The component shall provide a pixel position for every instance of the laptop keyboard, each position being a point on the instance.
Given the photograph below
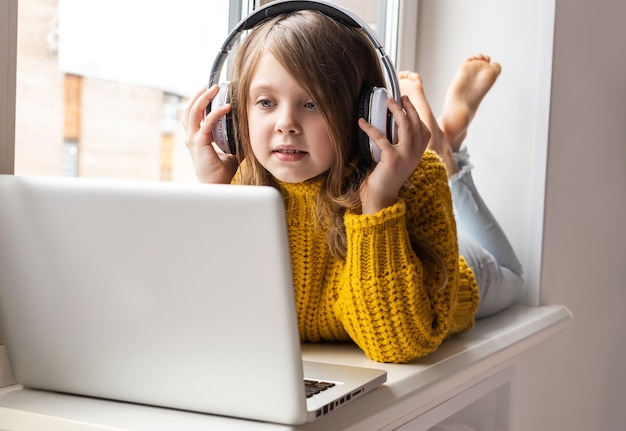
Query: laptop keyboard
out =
(313, 387)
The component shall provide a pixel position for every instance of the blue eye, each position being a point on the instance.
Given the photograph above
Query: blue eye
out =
(264, 103)
(311, 106)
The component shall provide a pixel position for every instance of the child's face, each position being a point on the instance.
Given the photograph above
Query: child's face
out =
(288, 134)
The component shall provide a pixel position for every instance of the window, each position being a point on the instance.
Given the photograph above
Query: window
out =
(100, 92)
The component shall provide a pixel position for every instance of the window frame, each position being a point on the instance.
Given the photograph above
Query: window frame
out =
(405, 58)
(8, 51)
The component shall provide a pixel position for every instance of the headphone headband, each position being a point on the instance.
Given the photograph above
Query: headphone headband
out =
(278, 7)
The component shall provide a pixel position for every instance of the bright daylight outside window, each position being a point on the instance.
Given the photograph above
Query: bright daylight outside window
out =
(101, 84)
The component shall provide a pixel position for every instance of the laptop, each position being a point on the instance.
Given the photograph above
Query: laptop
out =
(166, 294)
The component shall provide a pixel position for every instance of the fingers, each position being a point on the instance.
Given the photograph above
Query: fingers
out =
(211, 164)
(413, 135)
(194, 114)
(397, 161)
(411, 129)
(198, 128)
(371, 131)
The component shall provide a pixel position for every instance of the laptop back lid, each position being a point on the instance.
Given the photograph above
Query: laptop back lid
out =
(177, 295)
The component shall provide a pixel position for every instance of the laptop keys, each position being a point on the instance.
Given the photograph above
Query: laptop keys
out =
(313, 387)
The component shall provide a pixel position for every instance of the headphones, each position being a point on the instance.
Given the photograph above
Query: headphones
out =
(372, 101)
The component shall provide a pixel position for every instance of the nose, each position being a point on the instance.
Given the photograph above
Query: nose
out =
(287, 122)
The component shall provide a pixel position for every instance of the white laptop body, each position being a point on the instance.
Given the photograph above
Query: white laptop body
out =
(175, 295)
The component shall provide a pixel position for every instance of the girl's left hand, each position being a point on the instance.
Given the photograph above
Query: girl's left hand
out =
(397, 162)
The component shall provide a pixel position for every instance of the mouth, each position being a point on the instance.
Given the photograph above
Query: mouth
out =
(285, 151)
(289, 154)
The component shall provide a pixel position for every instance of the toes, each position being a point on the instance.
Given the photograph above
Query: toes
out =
(407, 74)
(479, 57)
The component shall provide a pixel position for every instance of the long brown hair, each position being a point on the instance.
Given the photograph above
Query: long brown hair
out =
(333, 63)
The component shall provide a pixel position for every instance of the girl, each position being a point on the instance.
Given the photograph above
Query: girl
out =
(374, 247)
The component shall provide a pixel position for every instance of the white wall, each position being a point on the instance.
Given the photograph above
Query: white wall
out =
(577, 380)
(583, 371)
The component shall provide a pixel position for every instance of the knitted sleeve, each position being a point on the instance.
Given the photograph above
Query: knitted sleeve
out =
(393, 297)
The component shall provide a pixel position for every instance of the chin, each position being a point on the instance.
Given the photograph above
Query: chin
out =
(290, 177)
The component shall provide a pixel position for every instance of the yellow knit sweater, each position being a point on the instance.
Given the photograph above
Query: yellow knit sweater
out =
(383, 296)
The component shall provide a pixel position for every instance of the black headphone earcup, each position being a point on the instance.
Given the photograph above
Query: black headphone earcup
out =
(373, 107)
(223, 131)
(364, 112)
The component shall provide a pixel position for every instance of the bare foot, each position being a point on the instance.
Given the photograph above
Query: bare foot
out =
(473, 80)
(411, 86)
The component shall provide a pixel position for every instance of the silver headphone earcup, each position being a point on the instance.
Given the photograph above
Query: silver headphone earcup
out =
(223, 129)
(373, 107)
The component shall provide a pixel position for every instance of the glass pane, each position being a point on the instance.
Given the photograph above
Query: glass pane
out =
(367, 10)
(102, 84)
(381, 16)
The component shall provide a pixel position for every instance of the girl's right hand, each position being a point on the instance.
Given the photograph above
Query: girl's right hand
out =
(397, 162)
(211, 164)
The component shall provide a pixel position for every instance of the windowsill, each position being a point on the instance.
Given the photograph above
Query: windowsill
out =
(411, 389)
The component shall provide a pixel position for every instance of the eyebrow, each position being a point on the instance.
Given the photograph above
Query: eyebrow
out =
(262, 87)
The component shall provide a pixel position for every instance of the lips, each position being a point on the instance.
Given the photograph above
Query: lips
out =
(288, 151)
(289, 154)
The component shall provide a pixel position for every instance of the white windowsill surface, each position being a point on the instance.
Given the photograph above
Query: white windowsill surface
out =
(411, 389)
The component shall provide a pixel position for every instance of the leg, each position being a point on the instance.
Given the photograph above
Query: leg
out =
(484, 245)
(475, 220)
(499, 286)
(411, 85)
(473, 80)
(481, 240)
(471, 83)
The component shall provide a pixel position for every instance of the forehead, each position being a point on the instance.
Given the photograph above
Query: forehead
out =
(269, 72)
(267, 64)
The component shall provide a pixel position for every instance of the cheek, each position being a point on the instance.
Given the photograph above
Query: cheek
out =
(258, 133)
(326, 146)
(253, 126)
